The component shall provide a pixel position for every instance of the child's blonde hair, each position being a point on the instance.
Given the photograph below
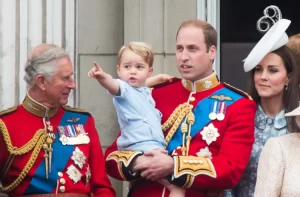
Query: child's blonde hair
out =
(142, 49)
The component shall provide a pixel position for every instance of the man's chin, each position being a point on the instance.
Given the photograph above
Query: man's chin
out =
(63, 103)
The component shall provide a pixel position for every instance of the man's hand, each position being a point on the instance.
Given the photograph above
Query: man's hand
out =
(155, 166)
(96, 72)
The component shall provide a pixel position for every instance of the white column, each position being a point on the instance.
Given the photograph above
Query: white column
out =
(7, 53)
(70, 41)
(57, 20)
(23, 47)
(34, 23)
(201, 10)
(49, 21)
(213, 17)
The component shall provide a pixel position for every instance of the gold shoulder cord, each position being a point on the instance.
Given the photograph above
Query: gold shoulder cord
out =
(181, 112)
(34, 144)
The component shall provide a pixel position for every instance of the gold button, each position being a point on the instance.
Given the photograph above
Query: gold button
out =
(62, 188)
(192, 99)
(60, 174)
(185, 161)
(191, 161)
(201, 162)
(62, 181)
(191, 106)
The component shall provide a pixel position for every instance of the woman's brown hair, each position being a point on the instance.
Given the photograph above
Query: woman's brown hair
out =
(291, 94)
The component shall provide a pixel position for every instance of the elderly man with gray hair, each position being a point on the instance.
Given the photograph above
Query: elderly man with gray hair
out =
(47, 148)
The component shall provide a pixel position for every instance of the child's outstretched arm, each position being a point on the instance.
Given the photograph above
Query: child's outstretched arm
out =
(151, 81)
(106, 80)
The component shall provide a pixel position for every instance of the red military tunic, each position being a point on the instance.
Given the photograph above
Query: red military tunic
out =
(76, 169)
(218, 151)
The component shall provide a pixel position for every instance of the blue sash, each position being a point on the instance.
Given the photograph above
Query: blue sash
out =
(61, 155)
(201, 112)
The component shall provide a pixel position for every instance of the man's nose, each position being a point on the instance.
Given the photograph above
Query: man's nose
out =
(184, 55)
(72, 84)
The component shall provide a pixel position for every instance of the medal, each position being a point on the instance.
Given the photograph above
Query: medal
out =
(221, 111)
(213, 109)
(210, 134)
(204, 152)
(88, 174)
(74, 173)
(78, 157)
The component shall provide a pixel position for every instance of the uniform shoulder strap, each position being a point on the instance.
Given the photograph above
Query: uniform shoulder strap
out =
(8, 111)
(238, 91)
(77, 110)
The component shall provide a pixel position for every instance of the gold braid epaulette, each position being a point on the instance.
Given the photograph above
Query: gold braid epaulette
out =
(35, 143)
(175, 119)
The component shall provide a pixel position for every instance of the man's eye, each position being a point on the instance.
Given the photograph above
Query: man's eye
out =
(179, 48)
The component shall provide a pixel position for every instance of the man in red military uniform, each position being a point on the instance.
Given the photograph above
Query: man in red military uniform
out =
(208, 127)
(48, 149)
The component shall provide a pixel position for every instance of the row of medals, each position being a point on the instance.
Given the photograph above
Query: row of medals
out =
(217, 110)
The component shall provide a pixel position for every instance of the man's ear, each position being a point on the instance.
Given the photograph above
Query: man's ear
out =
(40, 82)
(212, 51)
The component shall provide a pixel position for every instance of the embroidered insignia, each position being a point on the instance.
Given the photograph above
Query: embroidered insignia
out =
(221, 97)
(210, 134)
(88, 174)
(207, 84)
(73, 120)
(74, 173)
(78, 157)
(73, 134)
(190, 165)
(204, 152)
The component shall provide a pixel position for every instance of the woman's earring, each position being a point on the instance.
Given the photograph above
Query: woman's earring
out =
(286, 87)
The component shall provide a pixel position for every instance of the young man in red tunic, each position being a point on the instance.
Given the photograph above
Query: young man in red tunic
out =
(208, 127)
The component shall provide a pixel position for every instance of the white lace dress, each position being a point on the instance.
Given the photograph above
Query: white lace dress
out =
(279, 168)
